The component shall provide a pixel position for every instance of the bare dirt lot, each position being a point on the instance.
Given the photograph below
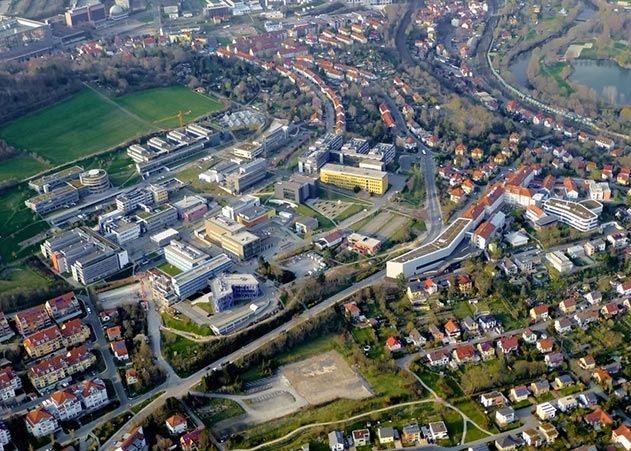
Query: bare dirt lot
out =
(324, 378)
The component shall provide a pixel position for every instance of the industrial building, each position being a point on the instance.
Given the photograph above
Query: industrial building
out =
(249, 151)
(232, 237)
(297, 189)
(85, 254)
(349, 177)
(229, 288)
(165, 237)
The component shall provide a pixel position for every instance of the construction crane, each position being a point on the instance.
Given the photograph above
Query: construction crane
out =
(180, 116)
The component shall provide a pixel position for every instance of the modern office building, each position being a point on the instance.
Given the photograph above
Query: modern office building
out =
(184, 256)
(85, 254)
(49, 182)
(232, 210)
(92, 14)
(123, 230)
(153, 219)
(229, 288)
(574, 214)
(232, 237)
(313, 159)
(349, 177)
(249, 151)
(246, 175)
(95, 180)
(191, 208)
(60, 197)
(131, 200)
(297, 189)
(419, 259)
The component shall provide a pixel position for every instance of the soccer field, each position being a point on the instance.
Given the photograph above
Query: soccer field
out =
(87, 123)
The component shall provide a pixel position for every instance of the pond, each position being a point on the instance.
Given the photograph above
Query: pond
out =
(611, 82)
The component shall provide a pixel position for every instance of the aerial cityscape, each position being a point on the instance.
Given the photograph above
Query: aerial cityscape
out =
(315, 225)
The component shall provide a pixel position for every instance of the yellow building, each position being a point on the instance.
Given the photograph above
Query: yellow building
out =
(349, 177)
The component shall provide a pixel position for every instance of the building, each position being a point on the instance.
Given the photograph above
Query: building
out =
(9, 383)
(31, 320)
(49, 182)
(504, 416)
(363, 244)
(5, 330)
(312, 160)
(119, 349)
(152, 219)
(64, 405)
(598, 190)
(133, 441)
(95, 180)
(40, 423)
(297, 189)
(22, 38)
(62, 306)
(184, 256)
(191, 208)
(228, 288)
(85, 254)
(546, 411)
(232, 237)
(131, 200)
(574, 214)
(91, 14)
(386, 435)
(559, 261)
(411, 433)
(74, 332)
(361, 437)
(255, 215)
(348, 177)
(249, 151)
(622, 437)
(43, 342)
(438, 431)
(5, 436)
(246, 175)
(176, 424)
(165, 237)
(92, 393)
(60, 197)
(483, 234)
(420, 258)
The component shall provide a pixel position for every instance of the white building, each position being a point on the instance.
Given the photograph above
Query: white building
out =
(176, 424)
(574, 214)
(598, 190)
(64, 405)
(559, 261)
(546, 411)
(40, 423)
(5, 436)
(9, 383)
(93, 393)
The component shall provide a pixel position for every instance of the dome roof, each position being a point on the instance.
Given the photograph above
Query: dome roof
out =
(116, 10)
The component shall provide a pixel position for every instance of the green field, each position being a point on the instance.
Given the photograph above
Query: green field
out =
(169, 269)
(20, 167)
(87, 123)
(21, 276)
(185, 325)
(161, 105)
(17, 223)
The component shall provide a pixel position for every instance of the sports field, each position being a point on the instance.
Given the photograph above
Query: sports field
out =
(89, 122)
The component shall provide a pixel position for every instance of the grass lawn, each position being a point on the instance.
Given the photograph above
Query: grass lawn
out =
(169, 269)
(73, 128)
(185, 325)
(554, 71)
(21, 276)
(473, 411)
(162, 105)
(473, 433)
(455, 426)
(20, 166)
(350, 211)
(304, 210)
(119, 167)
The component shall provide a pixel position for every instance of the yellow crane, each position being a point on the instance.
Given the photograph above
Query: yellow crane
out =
(180, 116)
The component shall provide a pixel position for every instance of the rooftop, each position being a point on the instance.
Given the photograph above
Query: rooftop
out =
(350, 170)
(573, 208)
(443, 241)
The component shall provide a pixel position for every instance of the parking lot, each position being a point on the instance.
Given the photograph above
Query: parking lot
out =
(304, 264)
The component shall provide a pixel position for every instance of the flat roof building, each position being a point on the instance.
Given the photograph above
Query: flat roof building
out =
(184, 256)
(574, 214)
(228, 288)
(60, 197)
(22, 38)
(232, 237)
(297, 189)
(348, 177)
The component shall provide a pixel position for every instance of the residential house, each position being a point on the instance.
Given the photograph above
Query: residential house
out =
(545, 345)
(64, 405)
(567, 306)
(507, 443)
(587, 362)
(176, 424)
(131, 377)
(562, 381)
(5, 436)
(114, 333)
(486, 350)
(74, 332)
(588, 399)
(487, 322)
(416, 338)
(622, 437)
(43, 342)
(470, 326)
(603, 377)
(92, 393)
(190, 440)
(361, 437)
(504, 416)
(609, 310)
(40, 423)
(336, 441)
(416, 293)
(387, 435)
(593, 297)
(563, 325)
(393, 344)
(519, 393)
(508, 344)
(546, 411)
(539, 313)
(120, 351)
(532, 438)
(539, 388)
(598, 418)
(5, 330)
(438, 358)
(9, 383)
(452, 329)
(567, 403)
(79, 360)
(529, 336)
(436, 333)
(430, 286)
(351, 310)
(586, 317)
(438, 431)
(464, 354)
(133, 441)
(549, 432)
(411, 433)
(48, 372)
(493, 399)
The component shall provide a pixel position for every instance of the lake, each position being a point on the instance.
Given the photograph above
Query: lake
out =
(611, 82)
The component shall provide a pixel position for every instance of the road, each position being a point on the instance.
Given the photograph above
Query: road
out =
(182, 386)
